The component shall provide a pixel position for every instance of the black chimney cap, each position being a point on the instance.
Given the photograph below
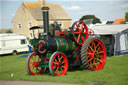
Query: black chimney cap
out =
(45, 8)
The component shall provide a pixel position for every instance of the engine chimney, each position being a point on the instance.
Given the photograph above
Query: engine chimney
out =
(46, 21)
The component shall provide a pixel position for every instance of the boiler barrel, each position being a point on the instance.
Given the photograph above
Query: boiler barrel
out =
(65, 45)
(58, 44)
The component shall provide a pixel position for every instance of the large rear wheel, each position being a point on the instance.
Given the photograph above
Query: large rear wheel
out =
(58, 64)
(93, 54)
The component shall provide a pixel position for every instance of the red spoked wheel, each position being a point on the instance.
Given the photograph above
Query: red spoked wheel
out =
(32, 64)
(90, 32)
(93, 54)
(80, 32)
(58, 64)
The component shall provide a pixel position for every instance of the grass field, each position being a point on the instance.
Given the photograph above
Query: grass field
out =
(115, 72)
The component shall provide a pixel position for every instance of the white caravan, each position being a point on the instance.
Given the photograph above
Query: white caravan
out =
(13, 43)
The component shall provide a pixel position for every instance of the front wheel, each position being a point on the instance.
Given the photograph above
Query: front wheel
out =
(58, 64)
(32, 64)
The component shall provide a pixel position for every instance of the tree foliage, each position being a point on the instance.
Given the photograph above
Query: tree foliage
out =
(109, 22)
(95, 19)
(126, 16)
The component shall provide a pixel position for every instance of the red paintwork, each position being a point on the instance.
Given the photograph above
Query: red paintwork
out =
(58, 59)
(77, 57)
(76, 49)
(40, 46)
(81, 30)
(61, 34)
(96, 55)
(32, 64)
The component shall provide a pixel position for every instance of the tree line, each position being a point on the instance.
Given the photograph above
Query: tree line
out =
(97, 20)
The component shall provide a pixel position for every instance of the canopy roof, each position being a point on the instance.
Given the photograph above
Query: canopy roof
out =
(109, 29)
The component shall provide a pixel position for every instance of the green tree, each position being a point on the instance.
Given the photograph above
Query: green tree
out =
(126, 16)
(95, 19)
(109, 22)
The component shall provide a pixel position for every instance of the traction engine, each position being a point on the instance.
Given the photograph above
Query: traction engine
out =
(57, 51)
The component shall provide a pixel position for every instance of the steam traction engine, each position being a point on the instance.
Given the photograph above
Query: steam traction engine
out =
(57, 51)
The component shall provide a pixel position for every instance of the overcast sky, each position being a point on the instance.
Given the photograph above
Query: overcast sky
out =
(106, 10)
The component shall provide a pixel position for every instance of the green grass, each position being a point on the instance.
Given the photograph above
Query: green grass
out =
(115, 72)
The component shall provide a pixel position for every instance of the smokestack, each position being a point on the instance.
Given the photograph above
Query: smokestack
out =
(45, 19)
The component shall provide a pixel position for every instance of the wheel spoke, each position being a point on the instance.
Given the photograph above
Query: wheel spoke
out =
(36, 70)
(54, 63)
(78, 38)
(55, 60)
(94, 62)
(81, 29)
(96, 65)
(100, 52)
(98, 49)
(76, 32)
(97, 45)
(56, 70)
(62, 62)
(33, 59)
(60, 58)
(99, 60)
(98, 56)
(91, 48)
(33, 69)
(82, 37)
(90, 59)
(90, 53)
(61, 69)
(92, 44)
(77, 27)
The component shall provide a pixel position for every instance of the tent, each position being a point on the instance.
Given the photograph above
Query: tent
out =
(114, 37)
